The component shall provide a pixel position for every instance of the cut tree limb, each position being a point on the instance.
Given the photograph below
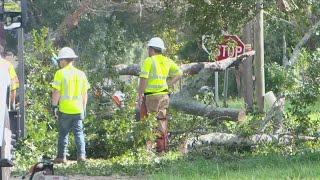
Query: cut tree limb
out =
(191, 68)
(238, 140)
(200, 109)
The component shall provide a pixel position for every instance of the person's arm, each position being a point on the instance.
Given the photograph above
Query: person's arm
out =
(84, 94)
(143, 77)
(174, 80)
(142, 87)
(175, 72)
(13, 98)
(84, 99)
(55, 97)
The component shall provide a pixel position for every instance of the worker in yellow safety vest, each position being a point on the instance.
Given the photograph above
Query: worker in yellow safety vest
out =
(11, 6)
(14, 81)
(69, 100)
(153, 88)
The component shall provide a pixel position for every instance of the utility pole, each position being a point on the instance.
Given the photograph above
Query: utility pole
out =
(22, 120)
(259, 57)
(247, 83)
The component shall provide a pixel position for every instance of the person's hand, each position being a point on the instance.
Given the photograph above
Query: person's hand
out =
(55, 110)
(12, 107)
(139, 100)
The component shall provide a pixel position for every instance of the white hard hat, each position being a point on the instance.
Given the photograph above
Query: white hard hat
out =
(157, 43)
(66, 53)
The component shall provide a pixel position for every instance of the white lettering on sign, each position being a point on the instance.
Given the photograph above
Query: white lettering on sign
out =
(230, 51)
(224, 51)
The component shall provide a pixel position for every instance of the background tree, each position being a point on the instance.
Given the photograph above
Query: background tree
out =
(105, 34)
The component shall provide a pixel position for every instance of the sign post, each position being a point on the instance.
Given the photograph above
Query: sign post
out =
(232, 46)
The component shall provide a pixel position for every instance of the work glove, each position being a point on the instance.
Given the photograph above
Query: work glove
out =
(55, 110)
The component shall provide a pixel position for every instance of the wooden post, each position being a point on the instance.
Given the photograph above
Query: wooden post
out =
(259, 57)
(22, 121)
(216, 86)
(247, 82)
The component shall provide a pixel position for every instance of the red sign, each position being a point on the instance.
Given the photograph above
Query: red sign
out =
(231, 47)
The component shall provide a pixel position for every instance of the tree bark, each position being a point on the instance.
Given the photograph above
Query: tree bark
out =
(238, 140)
(212, 112)
(284, 52)
(283, 6)
(247, 82)
(259, 57)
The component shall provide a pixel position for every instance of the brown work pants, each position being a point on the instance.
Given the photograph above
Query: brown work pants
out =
(159, 104)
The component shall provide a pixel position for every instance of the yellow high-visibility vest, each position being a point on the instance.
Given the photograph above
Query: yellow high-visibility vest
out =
(11, 7)
(156, 70)
(72, 83)
(14, 81)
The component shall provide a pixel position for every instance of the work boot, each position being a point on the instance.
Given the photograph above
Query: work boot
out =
(81, 159)
(59, 160)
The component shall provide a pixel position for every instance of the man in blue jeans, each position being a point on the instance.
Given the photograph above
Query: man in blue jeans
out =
(69, 99)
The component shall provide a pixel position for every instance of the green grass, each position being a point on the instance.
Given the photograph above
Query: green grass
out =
(262, 167)
(175, 167)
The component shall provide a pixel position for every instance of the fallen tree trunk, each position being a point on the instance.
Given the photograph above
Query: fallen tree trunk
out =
(200, 109)
(191, 68)
(238, 140)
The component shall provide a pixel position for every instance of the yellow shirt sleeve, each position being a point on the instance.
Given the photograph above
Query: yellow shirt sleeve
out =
(14, 84)
(57, 81)
(174, 69)
(86, 84)
(146, 68)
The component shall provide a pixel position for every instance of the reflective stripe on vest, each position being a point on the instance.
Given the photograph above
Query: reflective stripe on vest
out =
(154, 76)
(65, 95)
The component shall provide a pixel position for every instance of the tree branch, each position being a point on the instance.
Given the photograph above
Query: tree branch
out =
(306, 37)
(238, 140)
(70, 21)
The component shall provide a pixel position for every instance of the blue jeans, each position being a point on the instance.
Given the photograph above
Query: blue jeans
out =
(68, 122)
